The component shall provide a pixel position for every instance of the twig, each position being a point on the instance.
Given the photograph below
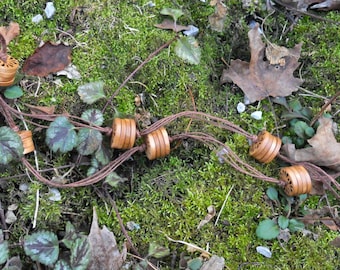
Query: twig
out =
(36, 209)
(223, 205)
(153, 54)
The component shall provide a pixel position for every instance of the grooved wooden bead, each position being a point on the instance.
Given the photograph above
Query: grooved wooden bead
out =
(157, 144)
(297, 180)
(266, 148)
(123, 133)
(8, 70)
(27, 141)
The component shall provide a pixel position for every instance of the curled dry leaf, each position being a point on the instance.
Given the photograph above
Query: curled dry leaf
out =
(324, 150)
(104, 250)
(211, 213)
(217, 19)
(259, 79)
(47, 59)
(171, 25)
(214, 263)
(41, 109)
(10, 32)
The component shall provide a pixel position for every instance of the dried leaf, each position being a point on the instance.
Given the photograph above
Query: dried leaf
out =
(330, 223)
(47, 59)
(336, 242)
(191, 247)
(171, 25)
(211, 213)
(10, 32)
(324, 150)
(217, 19)
(41, 109)
(259, 79)
(104, 250)
(214, 263)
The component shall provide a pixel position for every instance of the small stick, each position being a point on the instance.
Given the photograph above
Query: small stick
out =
(223, 205)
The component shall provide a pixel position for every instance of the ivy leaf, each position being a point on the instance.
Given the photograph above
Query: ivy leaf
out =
(13, 92)
(103, 155)
(89, 141)
(70, 235)
(187, 48)
(61, 135)
(295, 225)
(80, 254)
(10, 145)
(299, 129)
(267, 229)
(157, 251)
(91, 92)
(174, 13)
(4, 253)
(62, 265)
(42, 247)
(283, 222)
(93, 116)
(272, 194)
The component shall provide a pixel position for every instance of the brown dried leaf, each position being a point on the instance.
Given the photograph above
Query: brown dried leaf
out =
(214, 263)
(217, 19)
(322, 5)
(259, 79)
(170, 25)
(10, 32)
(324, 150)
(104, 250)
(336, 242)
(211, 213)
(41, 109)
(47, 59)
(330, 223)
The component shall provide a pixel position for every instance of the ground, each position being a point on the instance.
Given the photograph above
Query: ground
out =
(170, 196)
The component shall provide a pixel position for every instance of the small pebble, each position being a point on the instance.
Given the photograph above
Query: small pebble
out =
(193, 31)
(23, 187)
(241, 107)
(49, 10)
(55, 195)
(37, 18)
(264, 251)
(257, 115)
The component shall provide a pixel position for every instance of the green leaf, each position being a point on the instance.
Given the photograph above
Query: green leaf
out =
(294, 115)
(299, 129)
(295, 225)
(195, 264)
(61, 135)
(286, 140)
(4, 253)
(93, 116)
(174, 13)
(80, 254)
(157, 251)
(62, 265)
(10, 145)
(283, 222)
(42, 247)
(89, 141)
(13, 92)
(103, 155)
(91, 92)
(267, 229)
(272, 194)
(187, 48)
(113, 179)
(295, 105)
(309, 131)
(70, 235)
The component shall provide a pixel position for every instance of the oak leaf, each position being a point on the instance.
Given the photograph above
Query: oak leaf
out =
(259, 78)
(171, 25)
(47, 59)
(324, 150)
(10, 32)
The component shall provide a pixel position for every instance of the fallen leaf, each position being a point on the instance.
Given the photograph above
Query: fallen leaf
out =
(214, 263)
(70, 72)
(211, 213)
(41, 109)
(330, 223)
(104, 250)
(217, 19)
(10, 32)
(47, 59)
(259, 79)
(324, 150)
(171, 25)
(336, 242)
(322, 5)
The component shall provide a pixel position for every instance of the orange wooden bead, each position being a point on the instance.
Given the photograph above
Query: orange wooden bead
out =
(297, 180)
(27, 141)
(266, 148)
(157, 144)
(123, 133)
(8, 70)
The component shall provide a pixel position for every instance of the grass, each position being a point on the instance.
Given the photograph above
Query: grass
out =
(170, 196)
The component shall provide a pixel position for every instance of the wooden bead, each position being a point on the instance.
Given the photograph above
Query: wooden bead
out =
(157, 144)
(8, 70)
(266, 148)
(123, 133)
(297, 180)
(27, 141)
